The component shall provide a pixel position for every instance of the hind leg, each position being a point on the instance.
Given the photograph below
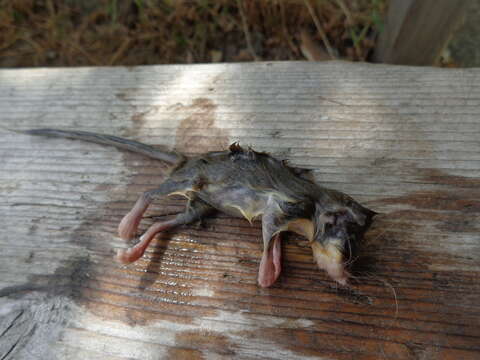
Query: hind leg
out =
(196, 209)
(129, 224)
(270, 264)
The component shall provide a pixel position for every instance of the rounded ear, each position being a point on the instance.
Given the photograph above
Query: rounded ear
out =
(357, 214)
(361, 215)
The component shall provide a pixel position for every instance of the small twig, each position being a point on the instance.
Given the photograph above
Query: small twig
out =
(320, 30)
(246, 31)
(119, 52)
(311, 49)
(33, 43)
(346, 11)
(285, 30)
(93, 61)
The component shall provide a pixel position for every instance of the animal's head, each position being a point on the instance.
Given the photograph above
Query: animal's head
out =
(336, 237)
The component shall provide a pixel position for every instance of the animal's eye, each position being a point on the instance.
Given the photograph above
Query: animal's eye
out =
(327, 228)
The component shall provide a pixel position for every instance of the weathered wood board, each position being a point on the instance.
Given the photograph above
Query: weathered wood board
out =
(403, 140)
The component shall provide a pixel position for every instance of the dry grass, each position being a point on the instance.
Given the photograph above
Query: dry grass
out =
(135, 32)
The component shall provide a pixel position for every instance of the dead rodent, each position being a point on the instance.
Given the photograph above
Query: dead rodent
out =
(245, 183)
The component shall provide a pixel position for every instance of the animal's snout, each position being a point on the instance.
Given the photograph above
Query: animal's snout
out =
(330, 258)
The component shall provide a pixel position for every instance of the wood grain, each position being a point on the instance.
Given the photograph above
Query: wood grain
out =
(403, 140)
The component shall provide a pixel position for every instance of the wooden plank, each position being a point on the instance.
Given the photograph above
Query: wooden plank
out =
(416, 32)
(403, 140)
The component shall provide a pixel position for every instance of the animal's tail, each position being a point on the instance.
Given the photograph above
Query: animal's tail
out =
(135, 146)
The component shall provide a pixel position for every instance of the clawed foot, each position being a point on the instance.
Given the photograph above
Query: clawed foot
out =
(127, 256)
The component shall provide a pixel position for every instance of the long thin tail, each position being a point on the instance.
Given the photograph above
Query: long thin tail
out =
(135, 146)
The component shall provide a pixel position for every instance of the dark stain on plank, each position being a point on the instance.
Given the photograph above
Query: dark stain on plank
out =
(67, 280)
(190, 137)
(436, 200)
(44, 310)
(179, 353)
(437, 176)
(206, 340)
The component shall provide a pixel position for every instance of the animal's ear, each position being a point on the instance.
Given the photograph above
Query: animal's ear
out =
(357, 214)
(360, 215)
